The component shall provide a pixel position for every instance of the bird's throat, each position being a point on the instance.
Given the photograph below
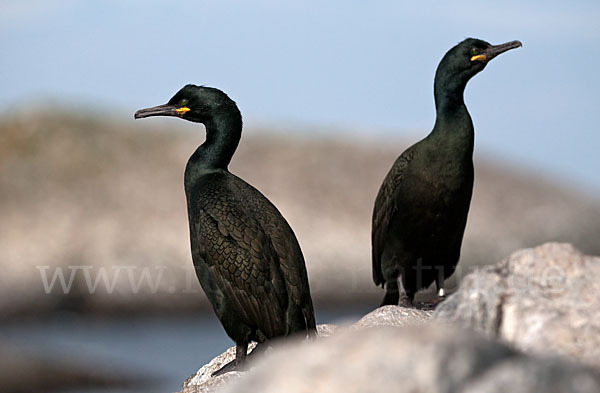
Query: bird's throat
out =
(453, 132)
(222, 138)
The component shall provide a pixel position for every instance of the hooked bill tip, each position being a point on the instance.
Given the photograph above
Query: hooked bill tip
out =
(517, 43)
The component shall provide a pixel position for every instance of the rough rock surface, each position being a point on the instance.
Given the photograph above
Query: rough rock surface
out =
(383, 316)
(542, 300)
(203, 382)
(428, 359)
(393, 316)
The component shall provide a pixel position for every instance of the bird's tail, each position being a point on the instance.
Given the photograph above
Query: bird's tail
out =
(309, 317)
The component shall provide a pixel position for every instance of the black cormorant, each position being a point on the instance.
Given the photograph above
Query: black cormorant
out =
(421, 209)
(246, 256)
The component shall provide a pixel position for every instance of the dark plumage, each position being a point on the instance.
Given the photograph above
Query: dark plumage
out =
(421, 209)
(246, 256)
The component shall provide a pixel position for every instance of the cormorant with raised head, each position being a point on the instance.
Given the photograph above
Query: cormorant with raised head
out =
(421, 209)
(246, 256)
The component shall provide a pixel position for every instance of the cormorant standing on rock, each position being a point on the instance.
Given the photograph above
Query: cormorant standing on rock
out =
(421, 209)
(247, 258)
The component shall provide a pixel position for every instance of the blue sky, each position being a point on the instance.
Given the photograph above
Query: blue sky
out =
(330, 64)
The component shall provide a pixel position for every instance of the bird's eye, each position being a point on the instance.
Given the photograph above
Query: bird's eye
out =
(183, 102)
(474, 52)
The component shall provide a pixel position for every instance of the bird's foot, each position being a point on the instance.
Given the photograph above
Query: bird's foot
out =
(229, 367)
(237, 365)
(405, 301)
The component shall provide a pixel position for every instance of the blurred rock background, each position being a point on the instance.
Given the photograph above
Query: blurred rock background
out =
(102, 203)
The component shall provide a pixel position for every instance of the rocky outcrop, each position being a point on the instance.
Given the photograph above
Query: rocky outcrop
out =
(527, 324)
(429, 359)
(203, 381)
(393, 316)
(542, 300)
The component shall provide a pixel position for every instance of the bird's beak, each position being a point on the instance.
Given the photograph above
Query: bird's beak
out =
(495, 50)
(161, 110)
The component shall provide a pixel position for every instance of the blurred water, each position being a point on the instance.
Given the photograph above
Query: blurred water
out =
(167, 348)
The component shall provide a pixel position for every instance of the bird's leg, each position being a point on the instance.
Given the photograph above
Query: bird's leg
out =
(392, 293)
(395, 294)
(406, 296)
(237, 364)
(241, 351)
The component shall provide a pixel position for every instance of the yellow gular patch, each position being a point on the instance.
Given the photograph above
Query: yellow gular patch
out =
(478, 58)
(182, 110)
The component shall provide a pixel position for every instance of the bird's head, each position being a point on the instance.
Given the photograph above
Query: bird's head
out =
(194, 103)
(471, 56)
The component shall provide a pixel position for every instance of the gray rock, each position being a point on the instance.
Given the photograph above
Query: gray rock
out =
(542, 300)
(203, 381)
(527, 375)
(429, 358)
(393, 316)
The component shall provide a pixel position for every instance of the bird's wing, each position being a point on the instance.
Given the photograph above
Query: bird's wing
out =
(384, 210)
(291, 260)
(243, 260)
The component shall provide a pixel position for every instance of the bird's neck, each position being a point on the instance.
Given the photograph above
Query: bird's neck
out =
(453, 123)
(448, 91)
(223, 134)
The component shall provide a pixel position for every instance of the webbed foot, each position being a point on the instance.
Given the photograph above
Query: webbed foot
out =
(237, 364)
(231, 366)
